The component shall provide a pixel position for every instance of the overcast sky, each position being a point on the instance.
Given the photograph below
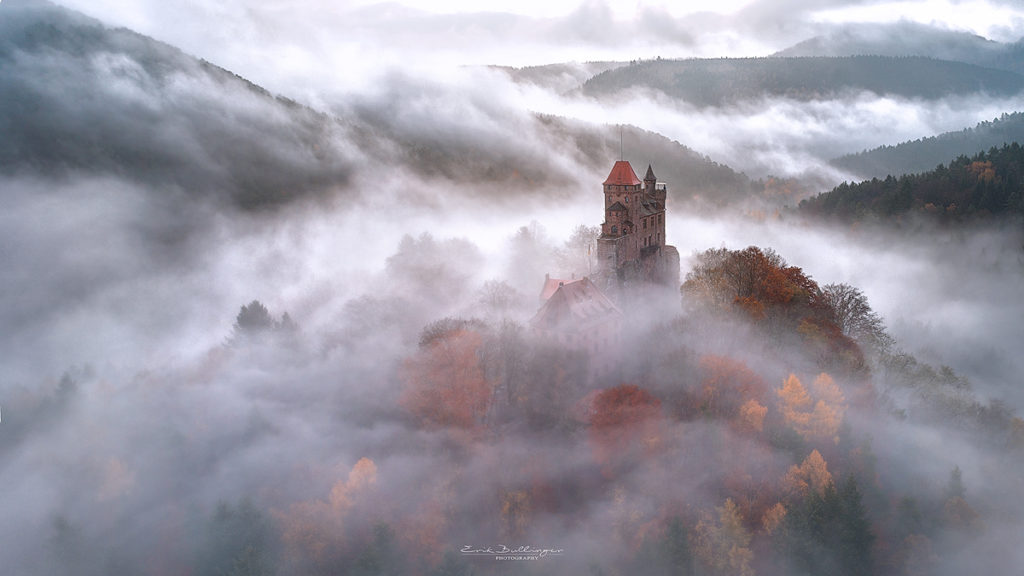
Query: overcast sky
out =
(305, 47)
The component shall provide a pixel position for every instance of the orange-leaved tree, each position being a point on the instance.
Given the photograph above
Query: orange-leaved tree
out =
(625, 421)
(751, 417)
(756, 281)
(314, 531)
(811, 474)
(726, 384)
(445, 384)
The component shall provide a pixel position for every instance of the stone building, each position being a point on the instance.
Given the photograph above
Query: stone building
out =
(632, 246)
(578, 316)
(631, 250)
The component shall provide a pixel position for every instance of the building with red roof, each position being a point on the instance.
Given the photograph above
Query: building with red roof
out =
(578, 316)
(632, 244)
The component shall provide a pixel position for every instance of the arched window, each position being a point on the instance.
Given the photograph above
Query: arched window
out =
(615, 229)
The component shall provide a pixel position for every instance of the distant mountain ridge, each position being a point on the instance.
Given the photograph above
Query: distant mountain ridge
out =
(912, 39)
(925, 153)
(79, 98)
(724, 81)
(561, 77)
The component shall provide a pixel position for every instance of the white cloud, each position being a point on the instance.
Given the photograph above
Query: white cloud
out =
(1001, 22)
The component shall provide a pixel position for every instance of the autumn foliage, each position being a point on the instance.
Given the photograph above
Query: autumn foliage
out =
(811, 475)
(723, 542)
(815, 417)
(761, 287)
(445, 384)
(313, 531)
(726, 386)
(752, 279)
(624, 420)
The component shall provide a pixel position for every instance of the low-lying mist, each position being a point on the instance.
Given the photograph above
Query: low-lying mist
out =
(345, 379)
(780, 136)
(123, 366)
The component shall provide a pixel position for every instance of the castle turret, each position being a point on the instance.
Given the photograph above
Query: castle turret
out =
(653, 190)
(632, 245)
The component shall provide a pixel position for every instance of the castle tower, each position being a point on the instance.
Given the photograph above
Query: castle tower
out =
(622, 198)
(632, 245)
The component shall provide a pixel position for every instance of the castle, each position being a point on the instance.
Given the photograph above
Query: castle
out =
(632, 245)
(630, 250)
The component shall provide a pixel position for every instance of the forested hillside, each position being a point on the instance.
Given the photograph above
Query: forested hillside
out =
(723, 81)
(986, 184)
(925, 154)
(693, 179)
(79, 97)
(558, 77)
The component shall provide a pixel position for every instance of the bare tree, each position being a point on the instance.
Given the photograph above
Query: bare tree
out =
(854, 316)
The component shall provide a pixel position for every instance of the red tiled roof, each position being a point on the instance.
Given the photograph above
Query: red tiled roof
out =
(622, 175)
(573, 305)
(550, 287)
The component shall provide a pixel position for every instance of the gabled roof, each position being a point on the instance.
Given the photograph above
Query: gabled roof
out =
(618, 207)
(574, 305)
(550, 287)
(650, 174)
(622, 175)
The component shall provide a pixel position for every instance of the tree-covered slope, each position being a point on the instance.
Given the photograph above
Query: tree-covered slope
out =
(692, 178)
(987, 184)
(560, 77)
(723, 81)
(79, 97)
(924, 154)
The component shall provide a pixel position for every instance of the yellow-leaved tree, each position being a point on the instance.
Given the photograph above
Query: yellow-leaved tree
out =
(313, 531)
(817, 416)
(723, 544)
(773, 518)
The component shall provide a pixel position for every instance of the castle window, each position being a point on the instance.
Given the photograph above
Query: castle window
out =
(645, 223)
(615, 229)
(627, 199)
